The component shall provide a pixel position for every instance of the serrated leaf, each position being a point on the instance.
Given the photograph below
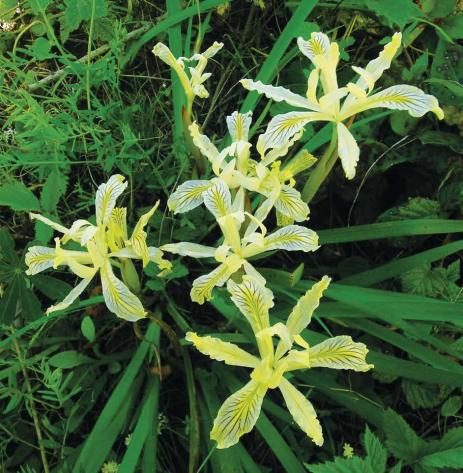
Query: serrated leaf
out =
(401, 439)
(451, 406)
(452, 458)
(441, 138)
(77, 11)
(341, 465)
(397, 468)
(7, 252)
(422, 395)
(423, 281)
(18, 197)
(417, 207)
(376, 453)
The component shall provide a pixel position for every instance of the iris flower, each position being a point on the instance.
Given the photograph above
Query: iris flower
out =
(193, 83)
(234, 166)
(106, 244)
(357, 96)
(234, 252)
(239, 413)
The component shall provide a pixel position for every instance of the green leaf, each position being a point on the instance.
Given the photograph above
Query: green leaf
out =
(18, 197)
(376, 453)
(77, 11)
(424, 281)
(401, 439)
(441, 138)
(87, 328)
(452, 458)
(415, 208)
(69, 359)
(342, 465)
(38, 6)
(52, 287)
(453, 26)
(53, 189)
(451, 406)
(9, 302)
(41, 49)
(396, 12)
(452, 85)
(397, 468)
(421, 396)
(7, 252)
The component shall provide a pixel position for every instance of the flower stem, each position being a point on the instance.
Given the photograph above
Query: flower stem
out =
(321, 171)
(187, 113)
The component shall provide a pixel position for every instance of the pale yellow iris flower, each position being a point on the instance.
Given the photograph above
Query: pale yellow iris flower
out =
(235, 167)
(234, 252)
(240, 411)
(357, 96)
(106, 244)
(192, 83)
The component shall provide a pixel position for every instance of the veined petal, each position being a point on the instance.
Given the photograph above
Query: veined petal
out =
(238, 125)
(398, 97)
(211, 51)
(317, 45)
(190, 249)
(202, 286)
(238, 414)
(301, 315)
(253, 300)
(279, 94)
(340, 353)
(302, 161)
(218, 199)
(204, 144)
(348, 150)
(302, 411)
(292, 238)
(219, 350)
(72, 296)
(38, 259)
(281, 330)
(156, 256)
(106, 196)
(163, 52)
(376, 67)
(188, 196)
(117, 228)
(50, 223)
(290, 204)
(138, 239)
(118, 297)
(281, 151)
(283, 127)
(253, 273)
(374, 70)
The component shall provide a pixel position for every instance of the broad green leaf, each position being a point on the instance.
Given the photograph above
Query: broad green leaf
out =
(52, 190)
(451, 406)
(342, 465)
(18, 197)
(452, 458)
(401, 439)
(376, 453)
(69, 359)
(396, 12)
(87, 328)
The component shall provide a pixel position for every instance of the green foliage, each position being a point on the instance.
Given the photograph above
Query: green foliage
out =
(397, 285)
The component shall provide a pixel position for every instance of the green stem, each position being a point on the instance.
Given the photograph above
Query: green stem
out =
(321, 171)
(89, 52)
(187, 114)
